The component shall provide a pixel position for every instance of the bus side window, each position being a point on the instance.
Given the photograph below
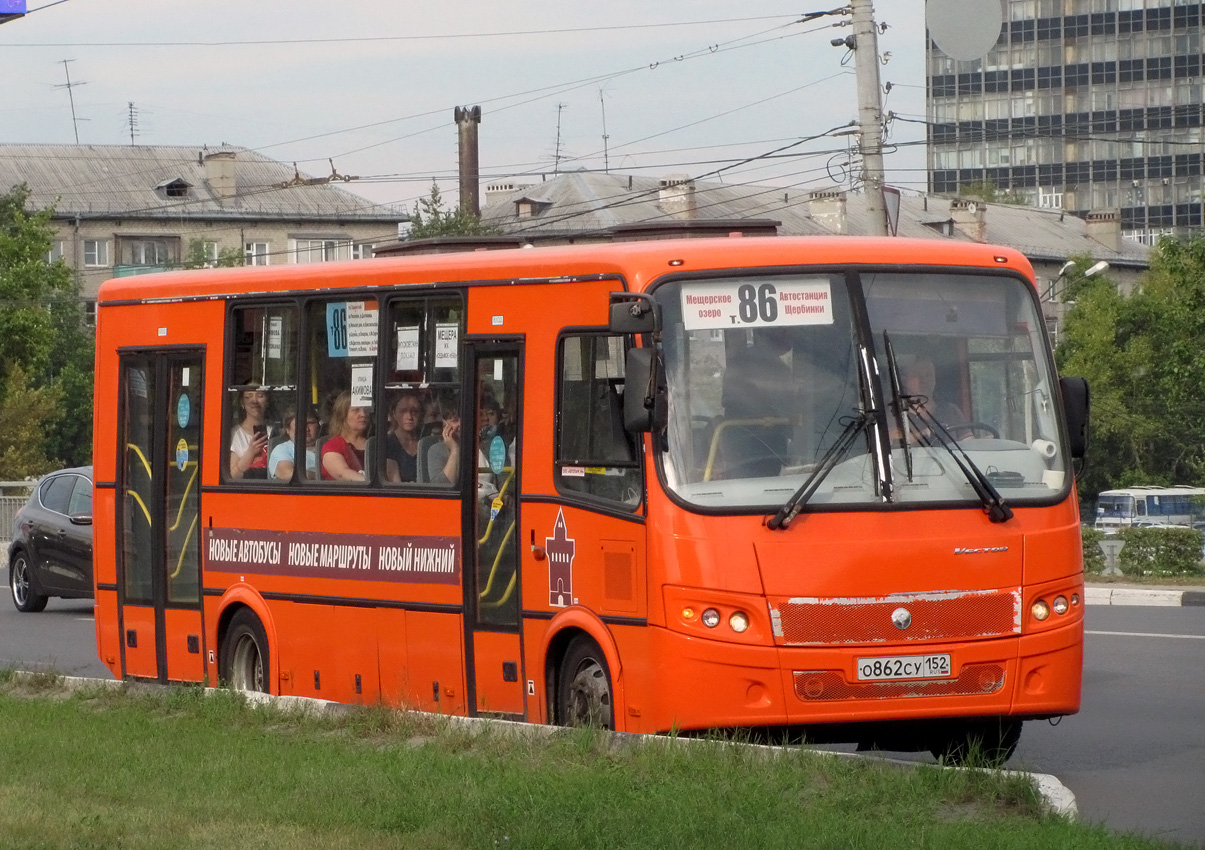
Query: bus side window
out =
(343, 357)
(595, 457)
(261, 375)
(421, 371)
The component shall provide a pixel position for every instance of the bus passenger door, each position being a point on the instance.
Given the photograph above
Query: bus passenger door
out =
(158, 570)
(492, 586)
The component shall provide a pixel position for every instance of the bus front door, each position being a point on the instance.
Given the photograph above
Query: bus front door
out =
(158, 570)
(492, 587)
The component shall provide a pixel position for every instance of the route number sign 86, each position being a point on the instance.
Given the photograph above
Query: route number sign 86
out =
(724, 304)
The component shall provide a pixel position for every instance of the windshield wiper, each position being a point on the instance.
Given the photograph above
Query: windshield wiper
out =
(835, 452)
(990, 498)
(897, 402)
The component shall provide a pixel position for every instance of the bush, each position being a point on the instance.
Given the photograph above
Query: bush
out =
(1160, 551)
(1094, 558)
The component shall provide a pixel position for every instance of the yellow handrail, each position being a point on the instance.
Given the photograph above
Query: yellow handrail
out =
(497, 557)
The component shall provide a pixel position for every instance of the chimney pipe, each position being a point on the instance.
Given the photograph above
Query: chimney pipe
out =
(467, 119)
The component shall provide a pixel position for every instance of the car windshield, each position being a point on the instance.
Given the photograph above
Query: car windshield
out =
(912, 387)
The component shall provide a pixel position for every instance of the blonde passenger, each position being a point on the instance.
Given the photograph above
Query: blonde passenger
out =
(343, 453)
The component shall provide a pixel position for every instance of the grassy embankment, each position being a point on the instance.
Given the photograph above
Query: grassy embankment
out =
(139, 768)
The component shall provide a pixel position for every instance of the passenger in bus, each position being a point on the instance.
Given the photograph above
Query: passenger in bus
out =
(918, 379)
(433, 423)
(401, 443)
(280, 461)
(249, 439)
(343, 453)
(443, 457)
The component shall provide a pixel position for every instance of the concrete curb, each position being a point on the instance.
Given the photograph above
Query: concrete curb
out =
(1058, 797)
(1111, 594)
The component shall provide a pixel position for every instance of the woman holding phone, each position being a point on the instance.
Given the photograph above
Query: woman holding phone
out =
(249, 439)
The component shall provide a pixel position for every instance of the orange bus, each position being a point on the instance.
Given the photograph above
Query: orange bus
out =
(802, 484)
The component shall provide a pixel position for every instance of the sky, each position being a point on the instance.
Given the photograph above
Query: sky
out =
(715, 90)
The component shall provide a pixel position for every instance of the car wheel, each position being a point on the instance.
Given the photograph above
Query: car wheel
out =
(584, 696)
(20, 582)
(244, 665)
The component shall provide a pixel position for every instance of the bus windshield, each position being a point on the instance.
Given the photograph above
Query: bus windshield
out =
(780, 381)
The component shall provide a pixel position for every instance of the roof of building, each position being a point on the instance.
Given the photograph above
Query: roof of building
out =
(581, 205)
(153, 181)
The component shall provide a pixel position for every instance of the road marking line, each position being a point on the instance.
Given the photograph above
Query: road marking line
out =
(1147, 634)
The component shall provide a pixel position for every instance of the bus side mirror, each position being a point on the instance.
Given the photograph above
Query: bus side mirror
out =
(1075, 406)
(644, 400)
(633, 313)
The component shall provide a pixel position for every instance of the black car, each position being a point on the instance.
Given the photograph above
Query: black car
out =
(51, 549)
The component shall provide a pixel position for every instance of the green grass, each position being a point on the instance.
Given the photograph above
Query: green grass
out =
(155, 768)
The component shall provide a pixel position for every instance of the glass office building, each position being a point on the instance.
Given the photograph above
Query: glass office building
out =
(1081, 105)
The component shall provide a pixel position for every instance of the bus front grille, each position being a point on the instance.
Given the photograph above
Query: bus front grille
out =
(899, 618)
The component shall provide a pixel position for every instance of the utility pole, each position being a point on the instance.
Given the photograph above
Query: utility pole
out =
(870, 111)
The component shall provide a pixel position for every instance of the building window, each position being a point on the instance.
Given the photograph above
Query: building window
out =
(96, 252)
(146, 252)
(320, 250)
(361, 251)
(209, 253)
(56, 251)
(256, 253)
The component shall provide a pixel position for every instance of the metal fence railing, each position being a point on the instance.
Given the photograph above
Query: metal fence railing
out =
(13, 494)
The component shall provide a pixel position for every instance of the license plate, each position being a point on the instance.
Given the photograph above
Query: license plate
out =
(903, 667)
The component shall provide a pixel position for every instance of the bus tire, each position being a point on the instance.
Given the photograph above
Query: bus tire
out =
(988, 742)
(244, 660)
(20, 582)
(584, 693)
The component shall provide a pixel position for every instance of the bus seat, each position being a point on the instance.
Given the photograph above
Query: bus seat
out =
(423, 472)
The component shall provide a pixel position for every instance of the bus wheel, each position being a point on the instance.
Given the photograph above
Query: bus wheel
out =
(25, 598)
(584, 688)
(979, 743)
(244, 664)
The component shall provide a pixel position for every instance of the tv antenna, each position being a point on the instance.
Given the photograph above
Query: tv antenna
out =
(69, 86)
(603, 106)
(556, 153)
(133, 121)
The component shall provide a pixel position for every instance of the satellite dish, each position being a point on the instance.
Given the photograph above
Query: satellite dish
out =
(964, 29)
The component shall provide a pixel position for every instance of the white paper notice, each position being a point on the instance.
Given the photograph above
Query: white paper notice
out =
(361, 385)
(407, 349)
(446, 339)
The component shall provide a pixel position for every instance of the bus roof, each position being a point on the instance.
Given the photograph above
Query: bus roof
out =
(640, 261)
(1155, 490)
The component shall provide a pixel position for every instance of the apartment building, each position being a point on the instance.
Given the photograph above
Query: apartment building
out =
(129, 209)
(1081, 105)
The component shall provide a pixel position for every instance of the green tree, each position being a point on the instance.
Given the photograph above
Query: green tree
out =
(196, 258)
(986, 190)
(23, 413)
(1144, 362)
(46, 347)
(432, 218)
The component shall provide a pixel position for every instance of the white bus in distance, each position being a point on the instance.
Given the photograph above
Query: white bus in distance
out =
(1147, 506)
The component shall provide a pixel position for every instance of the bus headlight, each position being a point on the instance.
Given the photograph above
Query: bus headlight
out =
(1060, 605)
(738, 621)
(711, 618)
(1040, 610)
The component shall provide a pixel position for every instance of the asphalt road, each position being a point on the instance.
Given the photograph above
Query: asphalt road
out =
(1134, 756)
